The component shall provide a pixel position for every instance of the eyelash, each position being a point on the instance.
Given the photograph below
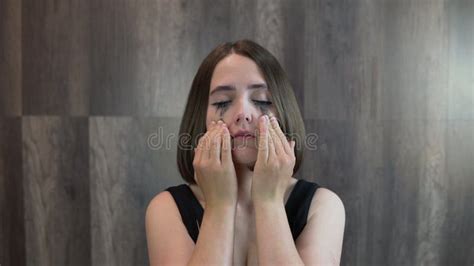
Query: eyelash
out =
(223, 104)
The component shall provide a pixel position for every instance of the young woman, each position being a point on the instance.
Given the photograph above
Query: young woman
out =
(241, 141)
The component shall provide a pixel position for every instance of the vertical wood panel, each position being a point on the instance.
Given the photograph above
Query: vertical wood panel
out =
(294, 52)
(458, 242)
(461, 59)
(145, 54)
(387, 61)
(56, 190)
(269, 26)
(330, 35)
(10, 57)
(414, 66)
(126, 172)
(242, 19)
(12, 233)
(55, 61)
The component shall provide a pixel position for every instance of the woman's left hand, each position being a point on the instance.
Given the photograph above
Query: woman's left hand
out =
(275, 162)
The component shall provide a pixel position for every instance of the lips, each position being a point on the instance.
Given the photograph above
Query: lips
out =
(243, 134)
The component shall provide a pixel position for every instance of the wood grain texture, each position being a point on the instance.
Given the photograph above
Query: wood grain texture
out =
(131, 161)
(10, 57)
(294, 52)
(396, 179)
(385, 88)
(459, 220)
(146, 53)
(55, 57)
(56, 191)
(461, 59)
(12, 233)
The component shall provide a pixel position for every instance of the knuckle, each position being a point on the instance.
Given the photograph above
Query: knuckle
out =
(204, 164)
(287, 161)
(213, 167)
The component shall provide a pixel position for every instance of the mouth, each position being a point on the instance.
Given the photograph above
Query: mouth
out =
(243, 136)
(242, 141)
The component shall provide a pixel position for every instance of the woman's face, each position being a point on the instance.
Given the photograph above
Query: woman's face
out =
(239, 96)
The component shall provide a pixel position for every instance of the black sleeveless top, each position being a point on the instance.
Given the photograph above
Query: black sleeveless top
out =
(296, 207)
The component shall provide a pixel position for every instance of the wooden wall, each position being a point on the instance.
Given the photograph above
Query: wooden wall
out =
(387, 86)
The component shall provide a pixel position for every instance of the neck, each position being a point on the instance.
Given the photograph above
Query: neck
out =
(244, 182)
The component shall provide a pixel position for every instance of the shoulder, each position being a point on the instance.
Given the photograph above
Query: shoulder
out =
(167, 239)
(320, 243)
(163, 202)
(325, 201)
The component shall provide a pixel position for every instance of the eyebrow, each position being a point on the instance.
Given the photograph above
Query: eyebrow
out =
(232, 88)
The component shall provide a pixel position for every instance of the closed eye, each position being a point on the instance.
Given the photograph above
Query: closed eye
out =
(264, 103)
(223, 104)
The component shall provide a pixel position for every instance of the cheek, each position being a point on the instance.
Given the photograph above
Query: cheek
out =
(211, 116)
(268, 111)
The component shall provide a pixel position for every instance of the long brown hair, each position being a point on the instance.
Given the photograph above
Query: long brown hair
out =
(193, 123)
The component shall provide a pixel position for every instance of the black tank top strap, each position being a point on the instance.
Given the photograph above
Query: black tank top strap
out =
(298, 204)
(189, 207)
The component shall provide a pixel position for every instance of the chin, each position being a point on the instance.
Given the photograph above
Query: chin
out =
(245, 156)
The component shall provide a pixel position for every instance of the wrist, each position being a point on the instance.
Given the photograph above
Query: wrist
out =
(222, 206)
(267, 202)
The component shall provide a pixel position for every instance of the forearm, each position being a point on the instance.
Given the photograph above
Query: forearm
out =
(215, 243)
(275, 243)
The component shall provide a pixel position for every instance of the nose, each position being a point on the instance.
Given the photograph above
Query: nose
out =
(243, 114)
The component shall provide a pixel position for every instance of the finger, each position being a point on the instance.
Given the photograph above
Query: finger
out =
(196, 154)
(215, 152)
(279, 150)
(211, 125)
(206, 146)
(262, 139)
(226, 152)
(198, 150)
(271, 143)
(284, 142)
(210, 138)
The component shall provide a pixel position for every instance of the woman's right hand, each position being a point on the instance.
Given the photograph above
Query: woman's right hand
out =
(214, 170)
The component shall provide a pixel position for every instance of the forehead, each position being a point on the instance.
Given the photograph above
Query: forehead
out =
(236, 70)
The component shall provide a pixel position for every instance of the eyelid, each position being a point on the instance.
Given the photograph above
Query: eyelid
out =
(227, 101)
(222, 104)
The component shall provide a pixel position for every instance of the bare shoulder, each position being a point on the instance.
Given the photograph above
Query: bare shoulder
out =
(320, 243)
(167, 239)
(325, 201)
(163, 201)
